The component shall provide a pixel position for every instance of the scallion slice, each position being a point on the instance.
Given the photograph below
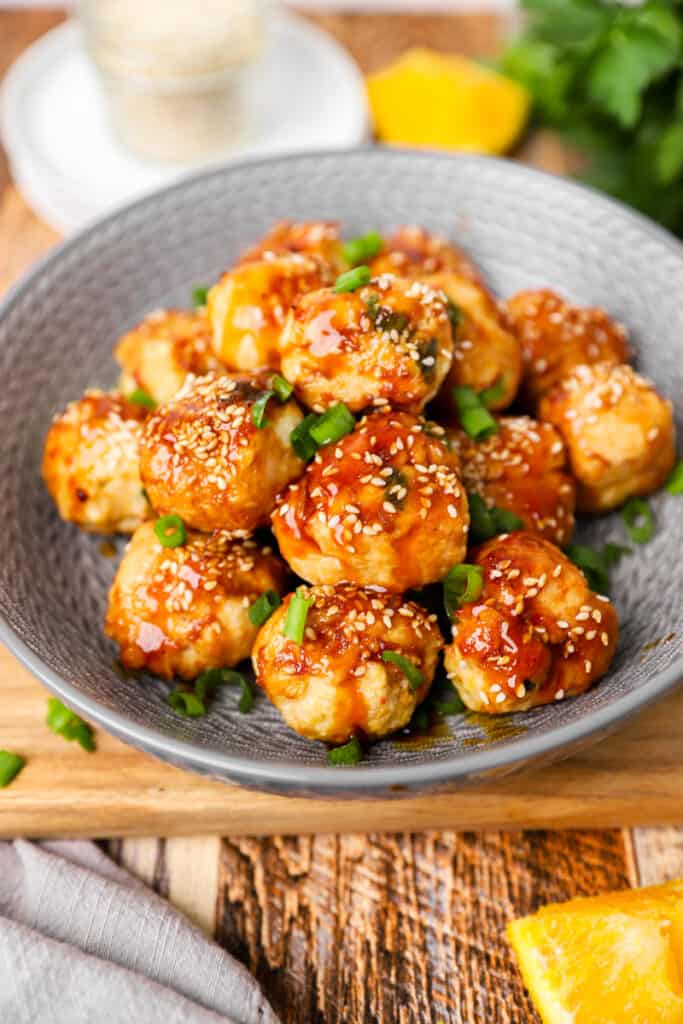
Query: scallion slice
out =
(674, 484)
(453, 314)
(475, 419)
(333, 424)
(353, 279)
(301, 440)
(407, 667)
(639, 520)
(482, 526)
(186, 703)
(349, 753)
(505, 520)
(361, 250)
(282, 388)
(246, 701)
(493, 394)
(170, 531)
(199, 295)
(297, 612)
(461, 585)
(449, 707)
(258, 409)
(263, 607)
(10, 766)
(141, 397)
(65, 722)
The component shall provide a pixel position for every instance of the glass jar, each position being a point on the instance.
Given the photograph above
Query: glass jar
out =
(173, 71)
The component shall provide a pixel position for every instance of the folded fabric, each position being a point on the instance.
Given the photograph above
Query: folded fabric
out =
(82, 941)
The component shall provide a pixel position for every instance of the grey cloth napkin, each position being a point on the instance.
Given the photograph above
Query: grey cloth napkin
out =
(82, 942)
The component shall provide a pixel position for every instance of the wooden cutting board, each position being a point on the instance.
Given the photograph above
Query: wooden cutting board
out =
(633, 778)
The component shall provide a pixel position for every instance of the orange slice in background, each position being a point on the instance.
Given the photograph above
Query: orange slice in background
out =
(434, 99)
(612, 959)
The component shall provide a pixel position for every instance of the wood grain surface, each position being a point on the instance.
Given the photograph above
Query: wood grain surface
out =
(400, 926)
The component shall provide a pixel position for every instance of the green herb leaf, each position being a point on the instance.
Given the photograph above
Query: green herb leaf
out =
(349, 753)
(65, 722)
(669, 153)
(631, 59)
(10, 766)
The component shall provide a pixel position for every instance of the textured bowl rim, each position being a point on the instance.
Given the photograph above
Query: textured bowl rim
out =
(323, 778)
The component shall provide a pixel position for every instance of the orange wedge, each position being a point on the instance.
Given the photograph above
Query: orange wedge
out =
(434, 99)
(612, 959)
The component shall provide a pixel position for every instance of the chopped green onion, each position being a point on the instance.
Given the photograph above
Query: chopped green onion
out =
(170, 531)
(282, 388)
(335, 423)
(388, 320)
(297, 612)
(453, 314)
(186, 703)
(10, 766)
(674, 484)
(360, 250)
(505, 520)
(349, 753)
(373, 306)
(595, 564)
(449, 707)
(258, 409)
(199, 295)
(246, 701)
(65, 722)
(207, 682)
(409, 670)
(493, 394)
(482, 526)
(475, 419)
(353, 279)
(639, 520)
(461, 585)
(301, 440)
(263, 607)
(141, 397)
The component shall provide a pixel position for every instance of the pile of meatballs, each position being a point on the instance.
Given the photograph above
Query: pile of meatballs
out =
(280, 429)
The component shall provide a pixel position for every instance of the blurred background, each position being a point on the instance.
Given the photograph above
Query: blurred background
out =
(113, 98)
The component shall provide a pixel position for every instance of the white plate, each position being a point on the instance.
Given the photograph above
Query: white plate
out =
(306, 93)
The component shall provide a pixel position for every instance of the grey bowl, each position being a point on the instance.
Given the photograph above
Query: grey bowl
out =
(56, 333)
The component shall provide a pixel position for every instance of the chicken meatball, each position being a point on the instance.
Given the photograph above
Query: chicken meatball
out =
(203, 457)
(179, 611)
(522, 469)
(486, 353)
(535, 634)
(159, 353)
(415, 253)
(249, 305)
(384, 507)
(336, 681)
(556, 336)
(317, 238)
(618, 430)
(386, 343)
(91, 463)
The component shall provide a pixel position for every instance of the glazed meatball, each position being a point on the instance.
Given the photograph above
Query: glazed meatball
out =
(618, 431)
(486, 353)
(384, 507)
(159, 353)
(203, 457)
(91, 463)
(414, 252)
(249, 305)
(179, 611)
(386, 343)
(536, 633)
(557, 336)
(317, 238)
(522, 468)
(335, 682)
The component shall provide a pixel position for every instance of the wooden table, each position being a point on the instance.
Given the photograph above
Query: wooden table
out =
(381, 928)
